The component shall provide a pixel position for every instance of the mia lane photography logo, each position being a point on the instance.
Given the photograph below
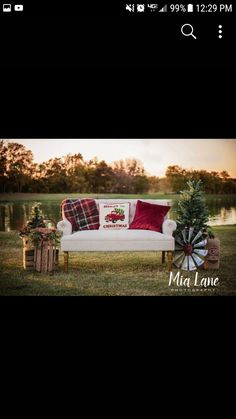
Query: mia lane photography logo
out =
(179, 282)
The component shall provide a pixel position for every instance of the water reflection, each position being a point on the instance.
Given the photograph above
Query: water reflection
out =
(225, 216)
(14, 215)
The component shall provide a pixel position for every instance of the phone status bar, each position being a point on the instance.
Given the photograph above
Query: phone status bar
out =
(106, 8)
(178, 8)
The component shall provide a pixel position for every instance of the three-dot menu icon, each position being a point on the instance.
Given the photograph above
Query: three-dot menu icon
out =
(220, 31)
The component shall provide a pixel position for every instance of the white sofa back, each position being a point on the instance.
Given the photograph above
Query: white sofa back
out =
(133, 203)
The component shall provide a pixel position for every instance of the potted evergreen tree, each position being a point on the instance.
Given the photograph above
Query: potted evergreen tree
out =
(40, 242)
(36, 220)
(192, 229)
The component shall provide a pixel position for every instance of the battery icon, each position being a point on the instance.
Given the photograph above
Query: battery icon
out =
(190, 8)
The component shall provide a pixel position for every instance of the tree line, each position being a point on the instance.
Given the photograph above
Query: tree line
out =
(71, 173)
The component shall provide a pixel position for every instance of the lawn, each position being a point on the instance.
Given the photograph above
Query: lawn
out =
(11, 197)
(104, 274)
(15, 197)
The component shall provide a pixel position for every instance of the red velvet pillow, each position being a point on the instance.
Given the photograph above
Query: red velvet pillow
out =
(149, 216)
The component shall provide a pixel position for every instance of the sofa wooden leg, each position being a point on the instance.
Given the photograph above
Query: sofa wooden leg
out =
(163, 257)
(169, 260)
(66, 259)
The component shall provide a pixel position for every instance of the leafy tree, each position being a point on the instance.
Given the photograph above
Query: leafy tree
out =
(154, 184)
(18, 173)
(129, 176)
(224, 175)
(75, 169)
(131, 167)
(140, 184)
(18, 166)
(100, 177)
(3, 165)
(176, 177)
(55, 175)
(72, 162)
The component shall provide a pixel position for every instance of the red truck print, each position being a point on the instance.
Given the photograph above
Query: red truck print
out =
(115, 216)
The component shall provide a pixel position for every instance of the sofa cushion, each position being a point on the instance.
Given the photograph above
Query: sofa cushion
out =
(117, 240)
(82, 213)
(114, 216)
(149, 216)
(116, 235)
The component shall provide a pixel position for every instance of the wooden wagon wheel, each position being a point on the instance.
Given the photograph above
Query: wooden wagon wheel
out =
(190, 250)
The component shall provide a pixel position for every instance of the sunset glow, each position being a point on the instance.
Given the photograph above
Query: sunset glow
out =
(155, 154)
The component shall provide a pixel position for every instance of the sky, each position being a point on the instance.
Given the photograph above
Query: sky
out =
(156, 155)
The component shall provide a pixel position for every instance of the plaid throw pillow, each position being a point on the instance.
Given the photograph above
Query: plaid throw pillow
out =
(82, 213)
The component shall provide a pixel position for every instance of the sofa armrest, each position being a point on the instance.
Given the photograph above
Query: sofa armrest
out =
(168, 227)
(65, 226)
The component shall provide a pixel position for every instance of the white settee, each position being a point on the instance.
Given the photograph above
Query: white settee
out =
(119, 240)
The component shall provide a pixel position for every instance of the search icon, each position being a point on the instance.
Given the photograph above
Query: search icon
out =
(185, 30)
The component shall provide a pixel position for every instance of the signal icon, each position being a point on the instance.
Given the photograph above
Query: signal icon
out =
(163, 9)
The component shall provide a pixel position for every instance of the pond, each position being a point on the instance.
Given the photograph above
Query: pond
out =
(14, 215)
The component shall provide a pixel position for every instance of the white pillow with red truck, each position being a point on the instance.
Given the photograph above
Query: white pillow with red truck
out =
(114, 216)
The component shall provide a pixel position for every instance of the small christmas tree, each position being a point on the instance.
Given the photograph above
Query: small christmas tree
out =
(36, 217)
(192, 210)
(36, 220)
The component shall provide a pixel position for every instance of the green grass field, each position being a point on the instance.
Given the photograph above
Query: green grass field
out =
(59, 197)
(105, 274)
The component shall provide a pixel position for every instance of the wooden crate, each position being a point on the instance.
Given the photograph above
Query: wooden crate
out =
(46, 258)
(28, 259)
(46, 261)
